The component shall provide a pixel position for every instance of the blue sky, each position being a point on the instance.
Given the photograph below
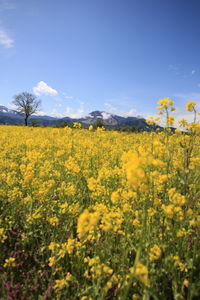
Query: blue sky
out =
(119, 56)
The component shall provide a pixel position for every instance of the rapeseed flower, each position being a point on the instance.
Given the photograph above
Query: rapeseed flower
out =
(190, 106)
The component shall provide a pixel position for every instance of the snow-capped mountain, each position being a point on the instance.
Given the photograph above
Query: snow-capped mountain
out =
(107, 118)
(111, 119)
(3, 108)
(9, 116)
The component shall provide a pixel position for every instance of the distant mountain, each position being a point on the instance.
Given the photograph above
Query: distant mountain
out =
(8, 116)
(110, 120)
(3, 109)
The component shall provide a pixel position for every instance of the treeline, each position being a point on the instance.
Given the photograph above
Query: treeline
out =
(98, 123)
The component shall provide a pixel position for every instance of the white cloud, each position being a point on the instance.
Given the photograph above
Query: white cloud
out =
(56, 114)
(76, 114)
(193, 72)
(66, 96)
(111, 108)
(79, 113)
(183, 114)
(12, 106)
(43, 88)
(5, 40)
(178, 114)
(40, 113)
(131, 113)
(106, 115)
(69, 112)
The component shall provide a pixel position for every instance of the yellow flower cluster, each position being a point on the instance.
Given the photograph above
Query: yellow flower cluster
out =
(101, 214)
(62, 283)
(97, 268)
(164, 104)
(9, 262)
(153, 120)
(77, 125)
(133, 165)
(2, 235)
(190, 106)
(141, 272)
(155, 253)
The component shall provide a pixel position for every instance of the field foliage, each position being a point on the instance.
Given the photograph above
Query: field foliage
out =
(91, 214)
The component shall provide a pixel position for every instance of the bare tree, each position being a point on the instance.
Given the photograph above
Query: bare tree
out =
(26, 104)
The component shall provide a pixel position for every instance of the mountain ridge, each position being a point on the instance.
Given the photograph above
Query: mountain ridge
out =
(11, 117)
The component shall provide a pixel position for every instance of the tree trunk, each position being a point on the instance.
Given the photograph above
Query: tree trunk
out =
(26, 121)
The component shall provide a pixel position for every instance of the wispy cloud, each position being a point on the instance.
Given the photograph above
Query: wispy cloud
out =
(12, 106)
(39, 113)
(188, 96)
(79, 113)
(6, 5)
(76, 114)
(42, 88)
(175, 69)
(5, 40)
(113, 110)
(183, 114)
(66, 96)
(69, 112)
(56, 114)
(178, 115)
(193, 72)
(179, 70)
(131, 113)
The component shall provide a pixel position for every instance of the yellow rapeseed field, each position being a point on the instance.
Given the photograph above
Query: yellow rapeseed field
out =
(100, 214)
